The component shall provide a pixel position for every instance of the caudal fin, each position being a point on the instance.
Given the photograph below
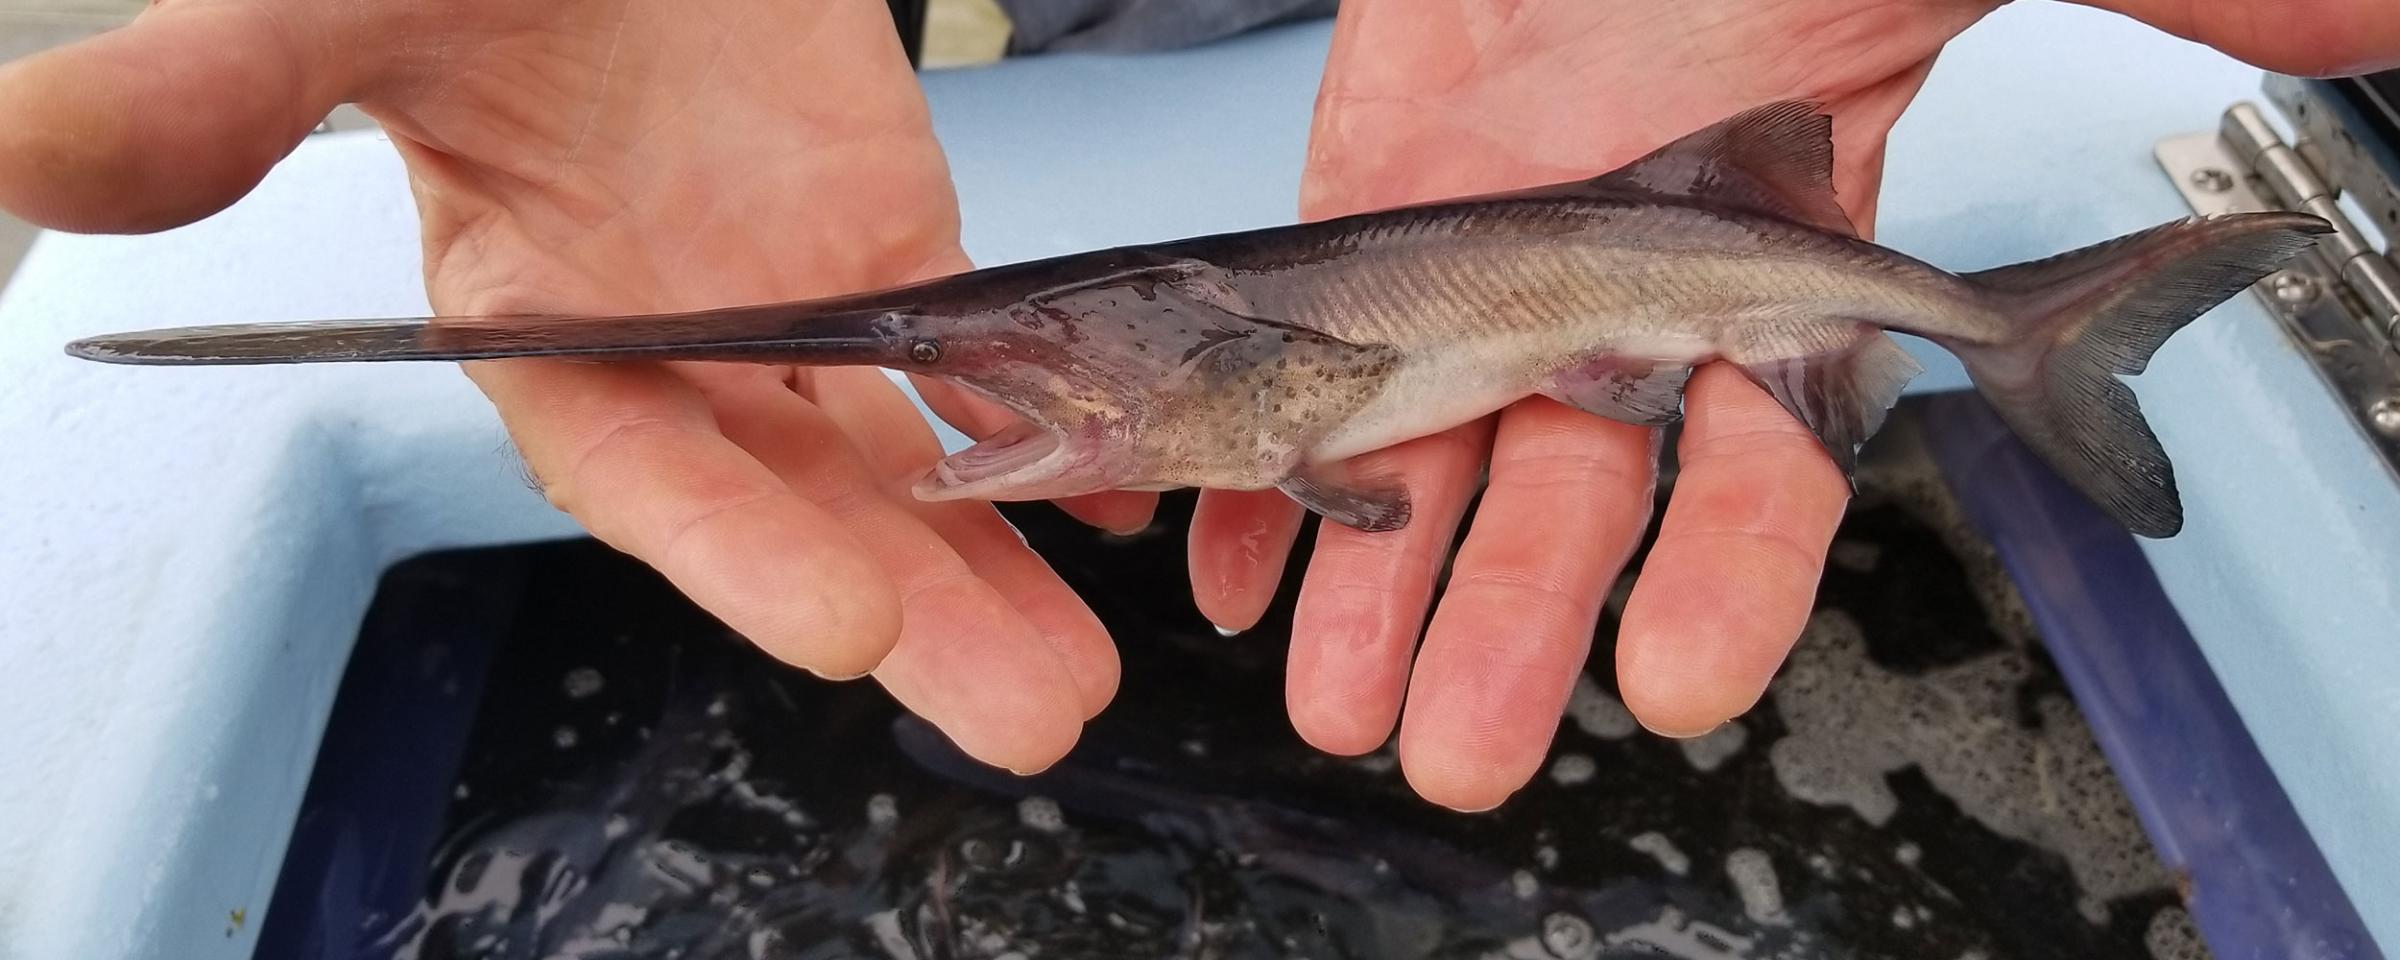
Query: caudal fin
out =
(2081, 318)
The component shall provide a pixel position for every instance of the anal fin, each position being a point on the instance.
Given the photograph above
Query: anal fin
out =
(1647, 393)
(1373, 505)
(1841, 394)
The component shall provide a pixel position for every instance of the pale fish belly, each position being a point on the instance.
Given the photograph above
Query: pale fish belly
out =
(1440, 389)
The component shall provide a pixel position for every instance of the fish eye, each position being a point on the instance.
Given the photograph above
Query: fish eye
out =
(925, 351)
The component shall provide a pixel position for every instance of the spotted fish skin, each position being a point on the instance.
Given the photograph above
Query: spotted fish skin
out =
(1273, 358)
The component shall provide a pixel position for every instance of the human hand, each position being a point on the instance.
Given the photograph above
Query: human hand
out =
(1429, 99)
(617, 156)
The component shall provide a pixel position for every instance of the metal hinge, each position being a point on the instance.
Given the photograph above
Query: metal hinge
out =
(2340, 304)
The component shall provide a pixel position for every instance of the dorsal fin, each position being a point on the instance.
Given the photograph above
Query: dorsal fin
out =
(1775, 158)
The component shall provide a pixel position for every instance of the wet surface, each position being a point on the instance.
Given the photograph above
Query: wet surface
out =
(637, 783)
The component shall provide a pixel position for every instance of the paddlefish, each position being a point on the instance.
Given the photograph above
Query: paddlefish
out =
(1273, 358)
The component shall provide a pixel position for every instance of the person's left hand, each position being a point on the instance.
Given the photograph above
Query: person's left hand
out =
(600, 157)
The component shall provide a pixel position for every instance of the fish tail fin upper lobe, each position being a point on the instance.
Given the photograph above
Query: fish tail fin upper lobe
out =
(2077, 320)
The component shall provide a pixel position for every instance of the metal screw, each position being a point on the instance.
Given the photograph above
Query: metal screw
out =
(925, 351)
(2385, 415)
(2294, 289)
(2212, 179)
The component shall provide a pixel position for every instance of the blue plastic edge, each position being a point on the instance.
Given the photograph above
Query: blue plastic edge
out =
(2255, 883)
(370, 818)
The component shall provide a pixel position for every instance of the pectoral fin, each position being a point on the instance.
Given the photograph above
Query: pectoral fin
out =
(1371, 504)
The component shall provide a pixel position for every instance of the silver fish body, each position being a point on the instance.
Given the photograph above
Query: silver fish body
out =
(1494, 301)
(1272, 358)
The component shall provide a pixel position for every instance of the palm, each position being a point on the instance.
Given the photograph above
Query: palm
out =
(1562, 91)
(646, 156)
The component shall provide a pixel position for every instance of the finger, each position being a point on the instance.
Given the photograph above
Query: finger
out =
(166, 120)
(966, 660)
(866, 404)
(1122, 512)
(1239, 543)
(1729, 584)
(633, 453)
(1569, 498)
(1364, 598)
(2306, 37)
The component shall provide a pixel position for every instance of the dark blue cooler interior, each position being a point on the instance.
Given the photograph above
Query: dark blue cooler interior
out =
(1995, 741)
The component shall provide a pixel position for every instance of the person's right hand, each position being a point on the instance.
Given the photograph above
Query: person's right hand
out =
(621, 156)
(1428, 99)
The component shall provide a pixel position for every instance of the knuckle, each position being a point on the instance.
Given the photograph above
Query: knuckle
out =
(679, 533)
(1756, 444)
(1770, 553)
(1545, 616)
(945, 587)
(1577, 471)
(564, 487)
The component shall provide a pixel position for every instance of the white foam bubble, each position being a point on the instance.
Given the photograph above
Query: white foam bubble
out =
(1753, 876)
(1852, 724)
(582, 682)
(883, 810)
(1710, 750)
(749, 795)
(1672, 935)
(1569, 937)
(1385, 760)
(1523, 884)
(1598, 713)
(1572, 768)
(1663, 850)
(1041, 813)
(564, 738)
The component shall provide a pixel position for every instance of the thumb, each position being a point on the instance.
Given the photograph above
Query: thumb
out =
(2311, 38)
(168, 119)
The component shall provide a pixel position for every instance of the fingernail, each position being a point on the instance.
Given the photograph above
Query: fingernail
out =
(1676, 734)
(2377, 64)
(1225, 631)
(1494, 805)
(837, 678)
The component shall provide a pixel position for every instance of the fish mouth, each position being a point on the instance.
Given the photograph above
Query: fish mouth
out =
(1018, 463)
